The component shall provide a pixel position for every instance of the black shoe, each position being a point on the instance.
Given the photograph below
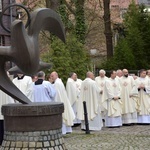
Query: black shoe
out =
(76, 125)
(129, 124)
(132, 124)
(114, 127)
(83, 129)
(144, 123)
(68, 132)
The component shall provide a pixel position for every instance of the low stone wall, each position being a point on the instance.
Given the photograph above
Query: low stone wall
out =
(39, 140)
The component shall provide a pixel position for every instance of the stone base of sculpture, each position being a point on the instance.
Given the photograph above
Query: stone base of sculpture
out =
(33, 126)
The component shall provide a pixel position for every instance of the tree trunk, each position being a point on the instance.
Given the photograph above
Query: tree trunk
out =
(108, 32)
(53, 4)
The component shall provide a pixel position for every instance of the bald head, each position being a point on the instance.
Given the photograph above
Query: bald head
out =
(54, 76)
(90, 75)
(125, 72)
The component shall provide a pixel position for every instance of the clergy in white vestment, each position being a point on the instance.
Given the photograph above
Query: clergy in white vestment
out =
(112, 102)
(44, 91)
(143, 85)
(90, 93)
(148, 73)
(78, 84)
(24, 84)
(61, 96)
(119, 74)
(129, 95)
(100, 80)
(4, 99)
(73, 91)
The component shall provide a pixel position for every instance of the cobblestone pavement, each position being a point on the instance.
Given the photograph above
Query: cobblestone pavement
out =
(135, 137)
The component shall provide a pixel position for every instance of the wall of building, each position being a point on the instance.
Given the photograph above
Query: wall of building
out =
(6, 19)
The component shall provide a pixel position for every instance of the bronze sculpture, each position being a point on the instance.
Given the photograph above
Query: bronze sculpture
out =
(24, 51)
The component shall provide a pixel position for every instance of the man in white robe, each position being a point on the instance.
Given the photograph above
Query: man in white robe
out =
(78, 85)
(119, 73)
(73, 91)
(4, 99)
(25, 85)
(100, 80)
(44, 91)
(112, 102)
(61, 96)
(143, 85)
(129, 95)
(148, 73)
(90, 93)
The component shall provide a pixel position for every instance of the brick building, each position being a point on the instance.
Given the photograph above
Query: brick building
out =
(7, 18)
(118, 8)
(145, 2)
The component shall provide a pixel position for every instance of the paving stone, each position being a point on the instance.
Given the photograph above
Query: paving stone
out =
(135, 137)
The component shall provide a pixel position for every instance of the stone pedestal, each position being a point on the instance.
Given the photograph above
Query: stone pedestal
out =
(33, 126)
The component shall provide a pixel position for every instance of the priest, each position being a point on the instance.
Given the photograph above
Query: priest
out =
(61, 96)
(100, 80)
(90, 93)
(112, 101)
(25, 85)
(44, 91)
(73, 92)
(143, 85)
(129, 95)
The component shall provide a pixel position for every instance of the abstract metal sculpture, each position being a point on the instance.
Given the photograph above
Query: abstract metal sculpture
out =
(24, 50)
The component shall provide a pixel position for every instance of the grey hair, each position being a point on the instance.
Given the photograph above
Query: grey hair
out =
(102, 71)
(41, 74)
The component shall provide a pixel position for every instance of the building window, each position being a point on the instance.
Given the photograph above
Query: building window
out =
(2, 40)
(122, 13)
(114, 6)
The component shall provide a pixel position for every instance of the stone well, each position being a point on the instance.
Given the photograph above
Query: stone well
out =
(33, 126)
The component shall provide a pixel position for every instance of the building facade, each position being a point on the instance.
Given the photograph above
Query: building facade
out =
(145, 2)
(6, 19)
(118, 8)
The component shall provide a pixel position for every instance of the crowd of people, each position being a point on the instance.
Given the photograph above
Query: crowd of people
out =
(120, 99)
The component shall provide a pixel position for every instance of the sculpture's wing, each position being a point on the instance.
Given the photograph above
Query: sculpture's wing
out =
(46, 19)
(25, 51)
